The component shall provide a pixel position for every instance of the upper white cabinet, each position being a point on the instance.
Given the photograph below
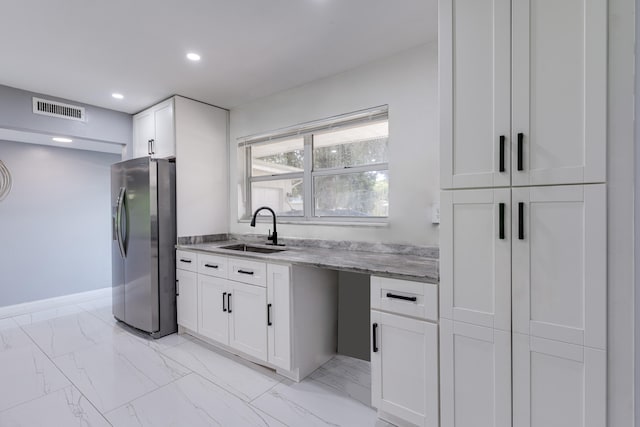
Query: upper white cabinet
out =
(522, 92)
(475, 262)
(559, 263)
(154, 131)
(196, 134)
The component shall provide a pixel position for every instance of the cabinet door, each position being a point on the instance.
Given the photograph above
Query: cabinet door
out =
(165, 141)
(247, 305)
(279, 315)
(475, 376)
(475, 105)
(475, 257)
(559, 91)
(143, 131)
(404, 368)
(559, 263)
(213, 319)
(187, 299)
(557, 384)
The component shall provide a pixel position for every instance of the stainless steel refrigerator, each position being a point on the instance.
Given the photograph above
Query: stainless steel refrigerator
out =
(143, 244)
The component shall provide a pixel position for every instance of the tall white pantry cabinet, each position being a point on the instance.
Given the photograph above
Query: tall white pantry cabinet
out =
(523, 224)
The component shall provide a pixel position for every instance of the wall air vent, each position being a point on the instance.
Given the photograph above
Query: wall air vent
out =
(46, 107)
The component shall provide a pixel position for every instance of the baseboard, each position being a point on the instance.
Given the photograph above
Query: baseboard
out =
(45, 304)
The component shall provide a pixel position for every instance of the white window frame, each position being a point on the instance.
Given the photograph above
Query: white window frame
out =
(308, 175)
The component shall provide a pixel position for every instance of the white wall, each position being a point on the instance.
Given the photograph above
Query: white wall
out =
(55, 236)
(407, 82)
(620, 211)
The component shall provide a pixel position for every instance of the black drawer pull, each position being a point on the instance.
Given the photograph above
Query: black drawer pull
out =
(246, 272)
(521, 221)
(269, 315)
(224, 307)
(211, 266)
(390, 295)
(188, 261)
(375, 339)
(520, 152)
(502, 167)
(501, 208)
(229, 302)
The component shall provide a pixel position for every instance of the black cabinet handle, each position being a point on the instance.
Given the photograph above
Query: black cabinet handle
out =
(224, 307)
(521, 220)
(211, 266)
(520, 151)
(501, 208)
(229, 302)
(177, 287)
(390, 295)
(502, 167)
(375, 340)
(246, 272)
(269, 315)
(188, 261)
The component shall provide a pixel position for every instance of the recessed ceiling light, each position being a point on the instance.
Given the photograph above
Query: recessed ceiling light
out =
(193, 56)
(117, 95)
(60, 139)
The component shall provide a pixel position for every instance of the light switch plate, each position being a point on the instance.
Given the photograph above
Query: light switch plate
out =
(435, 213)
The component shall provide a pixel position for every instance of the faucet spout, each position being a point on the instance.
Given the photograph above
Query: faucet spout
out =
(273, 237)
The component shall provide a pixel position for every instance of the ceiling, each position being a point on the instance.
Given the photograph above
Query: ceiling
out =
(85, 50)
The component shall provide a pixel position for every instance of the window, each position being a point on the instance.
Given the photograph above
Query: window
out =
(336, 169)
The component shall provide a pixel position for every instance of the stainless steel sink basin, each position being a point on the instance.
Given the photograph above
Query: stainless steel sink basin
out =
(248, 248)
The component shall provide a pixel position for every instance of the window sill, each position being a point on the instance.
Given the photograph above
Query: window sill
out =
(331, 223)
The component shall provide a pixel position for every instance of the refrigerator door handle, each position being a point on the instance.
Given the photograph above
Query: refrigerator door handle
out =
(119, 206)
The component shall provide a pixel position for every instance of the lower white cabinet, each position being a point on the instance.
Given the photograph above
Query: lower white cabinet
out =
(260, 316)
(279, 316)
(404, 368)
(213, 317)
(187, 298)
(475, 375)
(247, 308)
(557, 384)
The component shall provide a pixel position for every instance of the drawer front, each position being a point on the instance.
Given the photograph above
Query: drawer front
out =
(212, 265)
(415, 299)
(186, 260)
(245, 271)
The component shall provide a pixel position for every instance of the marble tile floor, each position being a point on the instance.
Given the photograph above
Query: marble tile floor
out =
(74, 365)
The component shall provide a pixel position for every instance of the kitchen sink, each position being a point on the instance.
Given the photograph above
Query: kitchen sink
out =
(249, 248)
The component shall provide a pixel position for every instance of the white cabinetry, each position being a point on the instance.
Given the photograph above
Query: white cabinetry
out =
(559, 263)
(154, 131)
(196, 134)
(523, 95)
(187, 298)
(279, 316)
(475, 372)
(404, 352)
(556, 384)
(253, 313)
(536, 118)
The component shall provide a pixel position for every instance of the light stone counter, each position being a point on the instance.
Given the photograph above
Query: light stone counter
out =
(345, 256)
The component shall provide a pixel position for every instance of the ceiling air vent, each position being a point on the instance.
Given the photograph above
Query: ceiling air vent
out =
(58, 109)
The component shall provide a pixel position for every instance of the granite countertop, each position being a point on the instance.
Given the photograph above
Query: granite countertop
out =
(396, 265)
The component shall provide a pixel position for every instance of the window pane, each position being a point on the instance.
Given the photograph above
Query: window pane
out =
(356, 194)
(279, 157)
(356, 146)
(284, 196)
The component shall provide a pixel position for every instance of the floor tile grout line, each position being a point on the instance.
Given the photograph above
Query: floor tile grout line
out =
(67, 378)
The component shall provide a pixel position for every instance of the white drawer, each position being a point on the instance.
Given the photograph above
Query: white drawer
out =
(212, 265)
(252, 272)
(187, 260)
(415, 299)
